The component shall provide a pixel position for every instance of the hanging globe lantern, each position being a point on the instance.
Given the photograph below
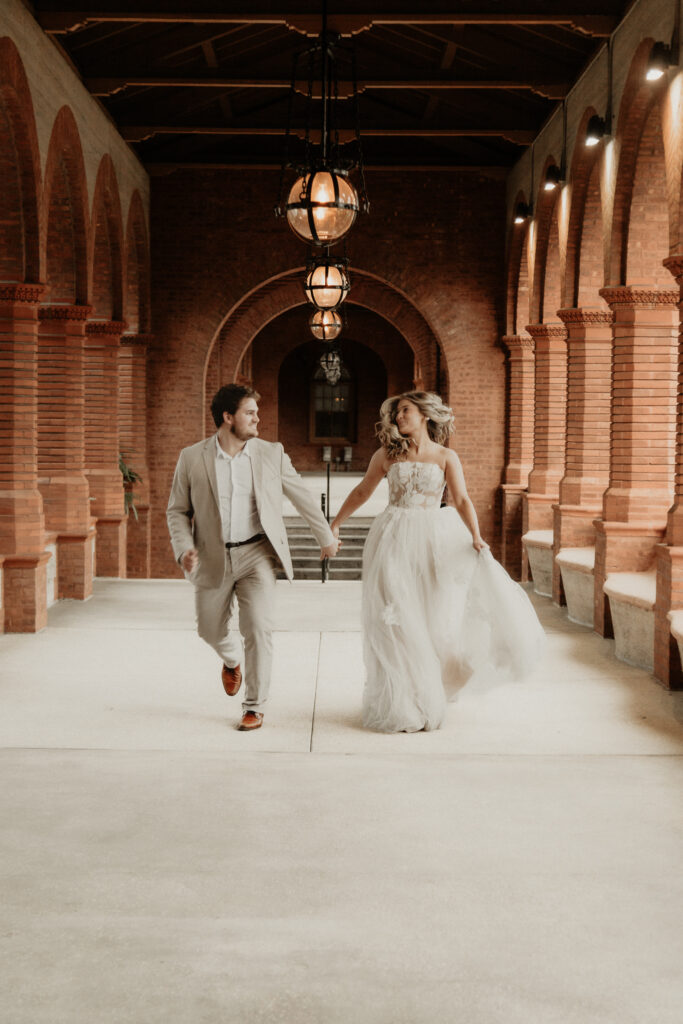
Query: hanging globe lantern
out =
(325, 325)
(331, 365)
(322, 207)
(327, 283)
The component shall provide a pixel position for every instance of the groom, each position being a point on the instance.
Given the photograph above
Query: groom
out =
(227, 532)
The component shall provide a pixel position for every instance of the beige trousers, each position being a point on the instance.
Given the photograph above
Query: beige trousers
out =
(250, 577)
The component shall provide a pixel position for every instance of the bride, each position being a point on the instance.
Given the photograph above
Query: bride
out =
(438, 610)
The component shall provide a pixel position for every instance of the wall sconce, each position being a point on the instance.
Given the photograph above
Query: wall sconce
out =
(553, 177)
(596, 129)
(522, 212)
(659, 61)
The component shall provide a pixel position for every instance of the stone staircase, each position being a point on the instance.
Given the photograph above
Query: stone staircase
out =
(306, 550)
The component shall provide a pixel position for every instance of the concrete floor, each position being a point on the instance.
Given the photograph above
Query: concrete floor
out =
(520, 866)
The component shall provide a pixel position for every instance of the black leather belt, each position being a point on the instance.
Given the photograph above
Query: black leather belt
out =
(250, 540)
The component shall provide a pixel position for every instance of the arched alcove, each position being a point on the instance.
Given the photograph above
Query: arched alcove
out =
(65, 215)
(19, 172)
(545, 297)
(640, 233)
(106, 247)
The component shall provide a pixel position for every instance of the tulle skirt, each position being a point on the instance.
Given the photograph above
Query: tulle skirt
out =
(436, 615)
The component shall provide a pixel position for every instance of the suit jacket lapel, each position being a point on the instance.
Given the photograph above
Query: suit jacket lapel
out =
(209, 456)
(257, 472)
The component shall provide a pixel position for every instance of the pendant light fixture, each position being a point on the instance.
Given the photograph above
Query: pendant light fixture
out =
(327, 281)
(325, 324)
(323, 203)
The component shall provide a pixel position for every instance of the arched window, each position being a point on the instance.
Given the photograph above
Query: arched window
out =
(333, 408)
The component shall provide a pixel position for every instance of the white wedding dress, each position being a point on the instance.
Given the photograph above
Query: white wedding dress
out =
(436, 614)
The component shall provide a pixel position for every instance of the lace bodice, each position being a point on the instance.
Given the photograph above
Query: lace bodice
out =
(415, 485)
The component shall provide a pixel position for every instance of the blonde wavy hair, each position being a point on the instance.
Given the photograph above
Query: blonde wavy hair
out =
(440, 421)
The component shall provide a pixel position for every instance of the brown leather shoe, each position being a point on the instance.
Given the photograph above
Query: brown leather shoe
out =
(232, 679)
(250, 720)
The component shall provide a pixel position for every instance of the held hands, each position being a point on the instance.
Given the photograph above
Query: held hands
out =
(190, 560)
(331, 550)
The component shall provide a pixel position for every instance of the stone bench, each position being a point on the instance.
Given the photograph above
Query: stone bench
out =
(576, 567)
(539, 550)
(632, 606)
(675, 618)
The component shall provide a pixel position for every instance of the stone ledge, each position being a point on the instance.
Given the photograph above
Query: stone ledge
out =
(538, 538)
(580, 559)
(636, 588)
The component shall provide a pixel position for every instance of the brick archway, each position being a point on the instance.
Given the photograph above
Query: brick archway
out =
(137, 282)
(585, 262)
(275, 296)
(65, 221)
(545, 293)
(517, 291)
(19, 196)
(106, 245)
(640, 201)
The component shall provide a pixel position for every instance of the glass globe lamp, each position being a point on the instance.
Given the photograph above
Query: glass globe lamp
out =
(326, 285)
(325, 325)
(322, 207)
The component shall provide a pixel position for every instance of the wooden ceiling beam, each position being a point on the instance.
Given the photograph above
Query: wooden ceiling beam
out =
(64, 21)
(520, 136)
(113, 84)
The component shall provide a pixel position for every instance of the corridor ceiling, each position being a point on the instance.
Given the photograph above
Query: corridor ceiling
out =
(205, 82)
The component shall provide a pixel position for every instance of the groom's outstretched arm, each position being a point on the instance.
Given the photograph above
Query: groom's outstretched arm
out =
(294, 488)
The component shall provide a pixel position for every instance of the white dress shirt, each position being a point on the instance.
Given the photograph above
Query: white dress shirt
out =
(236, 497)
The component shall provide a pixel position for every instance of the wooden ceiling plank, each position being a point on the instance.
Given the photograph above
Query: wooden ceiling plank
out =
(64, 21)
(109, 86)
(521, 136)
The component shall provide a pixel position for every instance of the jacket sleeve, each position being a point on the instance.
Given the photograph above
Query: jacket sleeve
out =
(179, 512)
(295, 489)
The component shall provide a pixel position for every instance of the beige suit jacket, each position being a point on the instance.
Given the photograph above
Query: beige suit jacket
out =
(193, 513)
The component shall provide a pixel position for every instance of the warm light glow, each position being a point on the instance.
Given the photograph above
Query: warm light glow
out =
(325, 325)
(653, 74)
(321, 218)
(326, 286)
(550, 186)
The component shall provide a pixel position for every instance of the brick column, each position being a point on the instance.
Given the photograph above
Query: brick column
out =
(520, 446)
(102, 444)
(635, 505)
(22, 549)
(550, 409)
(667, 666)
(587, 448)
(61, 445)
(133, 434)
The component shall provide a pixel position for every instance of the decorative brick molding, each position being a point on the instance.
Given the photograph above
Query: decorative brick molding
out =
(515, 342)
(105, 327)
(21, 292)
(547, 331)
(136, 340)
(64, 312)
(579, 315)
(647, 298)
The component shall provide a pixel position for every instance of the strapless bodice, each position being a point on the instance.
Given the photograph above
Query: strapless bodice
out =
(415, 485)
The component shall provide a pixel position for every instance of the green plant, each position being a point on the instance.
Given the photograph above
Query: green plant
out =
(130, 478)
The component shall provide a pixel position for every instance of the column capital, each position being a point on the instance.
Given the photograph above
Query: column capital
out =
(584, 315)
(105, 326)
(674, 264)
(634, 295)
(20, 292)
(518, 341)
(547, 332)
(64, 312)
(137, 340)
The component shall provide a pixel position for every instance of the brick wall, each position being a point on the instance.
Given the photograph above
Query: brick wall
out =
(436, 239)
